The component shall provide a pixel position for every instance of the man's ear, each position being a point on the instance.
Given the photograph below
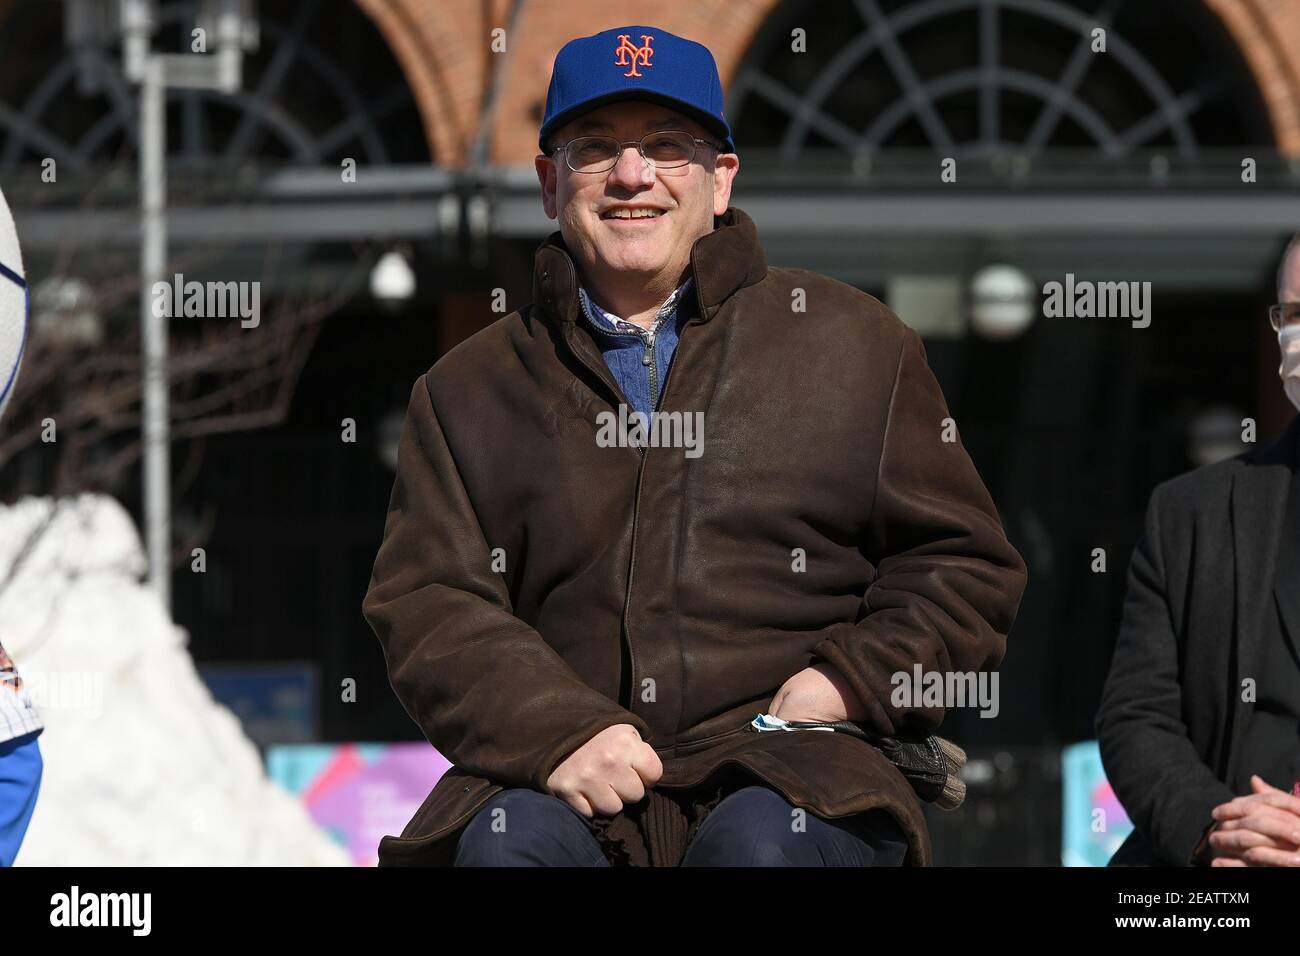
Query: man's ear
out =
(547, 176)
(725, 168)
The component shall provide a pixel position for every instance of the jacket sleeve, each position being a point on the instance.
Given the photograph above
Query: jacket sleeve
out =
(1165, 787)
(485, 688)
(947, 583)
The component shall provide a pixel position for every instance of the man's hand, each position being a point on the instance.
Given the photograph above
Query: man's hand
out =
(819, 692)
(611, 769)
(1259, 829)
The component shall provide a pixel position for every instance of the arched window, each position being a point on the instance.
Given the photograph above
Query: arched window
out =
(981, 77)
(321, 86)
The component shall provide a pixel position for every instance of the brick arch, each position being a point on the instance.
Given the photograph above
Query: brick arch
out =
(1262, 30)
(443, 64)
(442, 49)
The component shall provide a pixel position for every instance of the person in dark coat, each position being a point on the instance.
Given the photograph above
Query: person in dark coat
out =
(677, 490)
(1199, 724)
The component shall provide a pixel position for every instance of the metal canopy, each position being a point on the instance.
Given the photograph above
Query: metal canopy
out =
(860, 229)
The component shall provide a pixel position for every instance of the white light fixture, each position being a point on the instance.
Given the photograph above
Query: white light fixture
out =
(392, 281)
(64, 313)
(1003, 302)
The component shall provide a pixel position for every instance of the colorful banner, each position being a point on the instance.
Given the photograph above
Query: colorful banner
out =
(1093, 823)
(358, 792)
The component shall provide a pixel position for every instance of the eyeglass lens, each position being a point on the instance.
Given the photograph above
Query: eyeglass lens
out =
(664, 150)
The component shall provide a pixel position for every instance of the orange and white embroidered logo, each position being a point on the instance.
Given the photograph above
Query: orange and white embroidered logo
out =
(639, 54)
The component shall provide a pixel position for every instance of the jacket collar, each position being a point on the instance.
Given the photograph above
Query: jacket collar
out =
(722, 262)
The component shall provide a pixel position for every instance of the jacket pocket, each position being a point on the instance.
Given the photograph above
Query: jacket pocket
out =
(687, 747)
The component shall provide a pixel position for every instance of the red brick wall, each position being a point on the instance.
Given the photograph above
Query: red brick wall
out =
(1268, 34)
(443, 46)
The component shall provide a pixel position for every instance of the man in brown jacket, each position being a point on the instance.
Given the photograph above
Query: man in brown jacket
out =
(677, 490)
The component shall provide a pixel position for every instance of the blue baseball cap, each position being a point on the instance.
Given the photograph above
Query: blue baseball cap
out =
(635, 63)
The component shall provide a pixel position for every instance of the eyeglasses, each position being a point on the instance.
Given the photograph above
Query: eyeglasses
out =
(665, 149)
(1283, 313)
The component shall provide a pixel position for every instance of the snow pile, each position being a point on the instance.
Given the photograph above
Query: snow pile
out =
(142, 766)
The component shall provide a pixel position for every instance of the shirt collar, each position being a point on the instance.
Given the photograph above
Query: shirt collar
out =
(613, 325)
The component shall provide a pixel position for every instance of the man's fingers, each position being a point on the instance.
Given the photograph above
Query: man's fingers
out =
(647, 765)
(605, 800)
(1260, 785)
(1234, 808)
(1267, 856)
(629, 786)
(1243, 806)
(1237, 842)
(1283, 801)
(1226, 861)
(579, 803)
(1274, 823)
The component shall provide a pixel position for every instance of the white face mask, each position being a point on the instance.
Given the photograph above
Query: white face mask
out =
(1289, 340)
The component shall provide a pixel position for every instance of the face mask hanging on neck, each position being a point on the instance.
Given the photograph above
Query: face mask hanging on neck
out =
(1289, 340)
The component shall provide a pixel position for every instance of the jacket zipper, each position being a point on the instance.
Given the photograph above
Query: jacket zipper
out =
(640, 471)
(648, 359)
(602, 374)
(636, 508)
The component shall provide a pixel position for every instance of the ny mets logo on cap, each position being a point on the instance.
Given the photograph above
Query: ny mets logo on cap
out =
(608, 66)
(640, 53)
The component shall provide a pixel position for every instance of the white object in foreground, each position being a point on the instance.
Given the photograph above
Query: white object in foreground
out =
(13, 305)
(142, 766)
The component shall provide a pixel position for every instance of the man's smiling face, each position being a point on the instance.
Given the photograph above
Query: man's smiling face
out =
(593, 209)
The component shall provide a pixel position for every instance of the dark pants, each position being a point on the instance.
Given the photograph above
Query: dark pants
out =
(754, 826)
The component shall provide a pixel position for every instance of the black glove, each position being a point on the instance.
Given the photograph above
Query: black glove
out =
(930, 763)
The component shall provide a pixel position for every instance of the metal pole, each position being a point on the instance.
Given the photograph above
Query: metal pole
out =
(153, 73)
(153, 260)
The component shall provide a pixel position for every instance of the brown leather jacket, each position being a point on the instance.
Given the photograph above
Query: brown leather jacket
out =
(534, 587)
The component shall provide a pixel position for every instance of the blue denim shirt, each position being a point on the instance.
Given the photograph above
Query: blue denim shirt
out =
(639, 358)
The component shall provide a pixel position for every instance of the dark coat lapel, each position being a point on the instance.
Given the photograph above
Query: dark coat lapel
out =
(1286, 578)
(1259, 496)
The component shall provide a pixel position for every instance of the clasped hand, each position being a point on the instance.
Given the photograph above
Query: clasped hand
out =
(616, 766)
